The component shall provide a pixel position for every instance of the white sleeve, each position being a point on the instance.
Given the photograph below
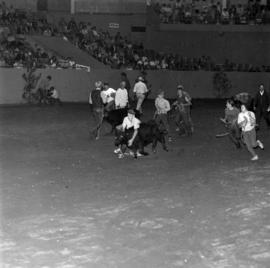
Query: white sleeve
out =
(116, 100)
(124, 124)
(168, 106)
(136, 123)
(103, 96)
(126, 97)
(156, 104)
(90, 98)
(240, 118)
(145, 88)
(135, 88)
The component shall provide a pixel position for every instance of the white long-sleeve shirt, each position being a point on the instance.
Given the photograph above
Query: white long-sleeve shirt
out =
(107, 95)
(121, 98)
(140, 88)
(162, 105)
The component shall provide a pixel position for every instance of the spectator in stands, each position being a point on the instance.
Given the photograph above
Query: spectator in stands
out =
(209, 12)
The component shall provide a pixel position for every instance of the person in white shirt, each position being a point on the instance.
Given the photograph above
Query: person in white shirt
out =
(108, 96)
(121, 96)
(130, 121)
(247, 121)
(140, 90)
(162, 108)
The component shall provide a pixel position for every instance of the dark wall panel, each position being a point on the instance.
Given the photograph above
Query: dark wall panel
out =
(59, 5)
(42, 5)
(239, 47)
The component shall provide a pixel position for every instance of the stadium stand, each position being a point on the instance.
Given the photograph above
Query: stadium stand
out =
(212, 12)
(99, 48)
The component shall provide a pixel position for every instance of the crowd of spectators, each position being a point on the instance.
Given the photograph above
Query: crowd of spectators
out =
(116, 51)
(23, 22)
(15, 51)
(211, 12)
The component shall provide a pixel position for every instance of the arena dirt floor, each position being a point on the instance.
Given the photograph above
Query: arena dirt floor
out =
(68, 202)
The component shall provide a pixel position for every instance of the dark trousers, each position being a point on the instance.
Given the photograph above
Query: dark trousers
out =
(183, 119)
(262, 113)
(162, 119)
(98, 114)
(234, 134)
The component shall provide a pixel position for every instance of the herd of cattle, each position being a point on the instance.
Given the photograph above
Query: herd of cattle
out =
(149, 132)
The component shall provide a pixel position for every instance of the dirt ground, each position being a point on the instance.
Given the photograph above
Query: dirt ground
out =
(68, 202)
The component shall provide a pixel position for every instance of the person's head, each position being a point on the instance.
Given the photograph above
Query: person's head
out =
(98, 85)
(230, 103)
(161, 93)
(261, 87)
(106, 85)
(49, 77)
(123, 84)
(131, 114)
(180, 90)
(123, 75)
(140, 78)
(243, 107)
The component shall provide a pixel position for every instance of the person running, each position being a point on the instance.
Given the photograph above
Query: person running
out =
(96, 101)
(162, 108)
(183, 115)
(247, 121)
(230, 121)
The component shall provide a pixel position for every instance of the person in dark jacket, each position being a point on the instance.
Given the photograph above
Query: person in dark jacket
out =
(125, 79)
(96, 101)
(262, 106)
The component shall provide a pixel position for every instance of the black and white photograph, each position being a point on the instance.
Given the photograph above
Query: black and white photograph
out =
(134, 133)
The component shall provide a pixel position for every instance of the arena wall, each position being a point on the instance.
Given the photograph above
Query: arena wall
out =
(75, 85)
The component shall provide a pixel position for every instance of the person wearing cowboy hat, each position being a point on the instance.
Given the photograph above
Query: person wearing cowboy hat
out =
(140, 89)
(183, 116)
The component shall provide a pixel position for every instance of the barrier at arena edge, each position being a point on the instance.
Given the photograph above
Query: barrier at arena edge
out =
(75, 85)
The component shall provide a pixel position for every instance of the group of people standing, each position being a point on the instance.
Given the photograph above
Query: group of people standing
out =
(105, 99)
(243, 124)
(181, 106)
